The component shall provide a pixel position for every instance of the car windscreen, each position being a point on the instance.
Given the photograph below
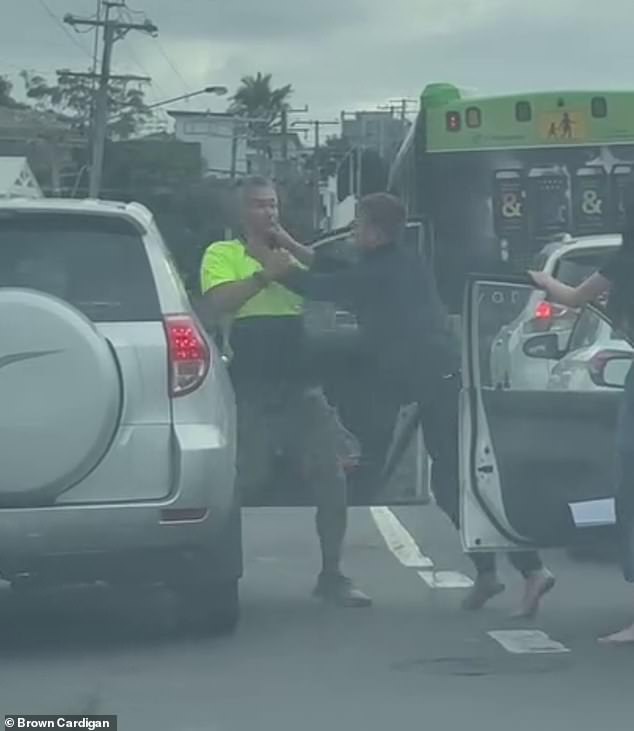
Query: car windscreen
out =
(98, 264)
(572, 269)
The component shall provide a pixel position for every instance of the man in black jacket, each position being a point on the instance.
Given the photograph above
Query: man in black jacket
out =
(409, 351)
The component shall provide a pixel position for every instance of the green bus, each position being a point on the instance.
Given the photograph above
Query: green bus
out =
(493, 179)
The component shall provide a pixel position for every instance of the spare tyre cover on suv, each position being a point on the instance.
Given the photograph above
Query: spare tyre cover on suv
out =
(60, 397)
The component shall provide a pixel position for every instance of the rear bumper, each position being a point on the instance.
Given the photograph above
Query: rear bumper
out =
(117, 537)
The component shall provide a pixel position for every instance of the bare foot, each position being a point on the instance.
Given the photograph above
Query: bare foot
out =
(485, 587)
(624, 637)
(537, 586)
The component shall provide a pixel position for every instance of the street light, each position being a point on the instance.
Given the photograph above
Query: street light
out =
(218, 90)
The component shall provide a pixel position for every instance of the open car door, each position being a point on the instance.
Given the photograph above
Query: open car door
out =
(537, 463)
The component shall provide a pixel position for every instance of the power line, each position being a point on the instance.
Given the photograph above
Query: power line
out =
(173, 66)
(130, 12)
(126, 14)
(135, 59)
(67, 33)
(95, 54)
(113, 30)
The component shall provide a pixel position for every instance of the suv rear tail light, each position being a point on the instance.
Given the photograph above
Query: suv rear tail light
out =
(189, 356)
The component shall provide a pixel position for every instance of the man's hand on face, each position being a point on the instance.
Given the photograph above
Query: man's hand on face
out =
(282, 238)
(276, 264)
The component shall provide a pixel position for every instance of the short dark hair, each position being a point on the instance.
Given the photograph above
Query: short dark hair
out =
(384, 211)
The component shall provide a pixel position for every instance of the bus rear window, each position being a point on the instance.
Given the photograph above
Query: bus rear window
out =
(599, 106)
(523, 112)
(97, 264)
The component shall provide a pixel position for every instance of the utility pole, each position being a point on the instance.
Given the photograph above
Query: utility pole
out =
(284, 126)
(404, 104)
(113, 30)
(286, 110)
(234, 147)
(317, 125)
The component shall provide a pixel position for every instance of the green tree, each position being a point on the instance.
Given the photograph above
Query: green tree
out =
(256, 98)
(73, 96)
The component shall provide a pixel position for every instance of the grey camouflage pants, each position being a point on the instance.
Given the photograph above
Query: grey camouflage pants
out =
(299, 422)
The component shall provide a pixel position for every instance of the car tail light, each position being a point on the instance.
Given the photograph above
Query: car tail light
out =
(548, 315)
(544, 311)
(189, 356)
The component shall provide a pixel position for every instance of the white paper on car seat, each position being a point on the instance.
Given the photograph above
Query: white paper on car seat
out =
(594, 513)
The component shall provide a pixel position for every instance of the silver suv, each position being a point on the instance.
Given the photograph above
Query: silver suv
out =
(117, 418)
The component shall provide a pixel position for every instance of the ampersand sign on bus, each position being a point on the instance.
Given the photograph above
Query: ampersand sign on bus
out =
(592, 203)
(511, 205)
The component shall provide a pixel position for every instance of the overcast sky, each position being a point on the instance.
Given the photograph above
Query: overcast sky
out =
(343, 54)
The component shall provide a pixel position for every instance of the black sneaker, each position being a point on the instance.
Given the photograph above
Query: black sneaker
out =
(338, 589)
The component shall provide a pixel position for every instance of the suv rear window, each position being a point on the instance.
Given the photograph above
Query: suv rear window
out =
(96, 263)
(573, 269)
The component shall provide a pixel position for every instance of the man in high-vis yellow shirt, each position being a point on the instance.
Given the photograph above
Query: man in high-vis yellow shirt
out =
(279, 405)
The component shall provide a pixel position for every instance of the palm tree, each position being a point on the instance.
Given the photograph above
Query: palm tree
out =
(256, 99)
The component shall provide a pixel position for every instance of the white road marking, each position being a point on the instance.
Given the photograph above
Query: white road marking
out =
(398, 539)
(524, 641)
(445, 580)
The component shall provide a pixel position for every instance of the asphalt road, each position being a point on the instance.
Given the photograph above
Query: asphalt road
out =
(413, 661)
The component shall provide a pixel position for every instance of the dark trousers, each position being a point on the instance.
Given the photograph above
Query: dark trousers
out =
(440, 422)
(625, 475)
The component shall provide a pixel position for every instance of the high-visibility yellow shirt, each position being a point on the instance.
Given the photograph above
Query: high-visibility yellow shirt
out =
(229, 261)
(266, 336)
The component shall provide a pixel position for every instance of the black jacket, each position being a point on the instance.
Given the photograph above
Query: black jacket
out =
(406, 339)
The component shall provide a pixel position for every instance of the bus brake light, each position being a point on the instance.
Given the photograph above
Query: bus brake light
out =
(454, 121)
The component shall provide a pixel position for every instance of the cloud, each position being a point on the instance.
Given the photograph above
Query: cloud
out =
(349, 53)
(255, 21)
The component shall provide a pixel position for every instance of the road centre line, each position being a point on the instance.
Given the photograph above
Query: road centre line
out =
(398, 539)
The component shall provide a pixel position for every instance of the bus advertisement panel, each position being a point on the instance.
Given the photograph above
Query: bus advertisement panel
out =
(493, 211)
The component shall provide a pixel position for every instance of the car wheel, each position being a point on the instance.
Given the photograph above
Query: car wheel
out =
(210, 607)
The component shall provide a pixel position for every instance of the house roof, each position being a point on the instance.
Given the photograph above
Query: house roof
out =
(17, 179)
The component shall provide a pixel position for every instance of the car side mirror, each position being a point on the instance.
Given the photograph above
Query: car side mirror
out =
(614, 370)
(544, 347)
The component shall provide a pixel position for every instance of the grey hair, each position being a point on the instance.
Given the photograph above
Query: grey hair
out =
(253, 182)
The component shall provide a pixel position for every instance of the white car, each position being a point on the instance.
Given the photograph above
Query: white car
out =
(570, 261)
(593, 343)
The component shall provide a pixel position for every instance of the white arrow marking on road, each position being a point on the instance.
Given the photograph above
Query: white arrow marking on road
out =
(398, 539)
(445, 579)
(523, 641)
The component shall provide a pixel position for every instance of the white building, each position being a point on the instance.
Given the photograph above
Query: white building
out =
(222, 139)
(375, 130)
(17, 179)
